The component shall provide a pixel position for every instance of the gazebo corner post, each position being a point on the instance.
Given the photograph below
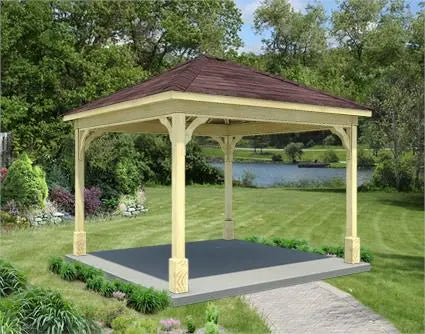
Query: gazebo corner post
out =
(228, 144)
(178, 264)
(79, 245)
(348, 138)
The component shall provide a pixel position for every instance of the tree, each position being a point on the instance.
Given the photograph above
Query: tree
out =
(295, 37)
(294, 151)
(25, 184)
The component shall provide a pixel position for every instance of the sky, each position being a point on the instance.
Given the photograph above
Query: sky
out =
(252, 41)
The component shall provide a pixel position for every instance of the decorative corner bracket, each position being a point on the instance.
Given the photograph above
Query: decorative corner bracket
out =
(189, 129)
(341, 132)
(228, 144)
(85, 137)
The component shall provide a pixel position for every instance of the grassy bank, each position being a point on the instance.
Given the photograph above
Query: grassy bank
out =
(249, 155)
(390, 225)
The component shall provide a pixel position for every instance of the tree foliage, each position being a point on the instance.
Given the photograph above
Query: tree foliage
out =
(25, 183)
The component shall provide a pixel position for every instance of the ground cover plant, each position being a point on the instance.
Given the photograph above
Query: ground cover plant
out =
(390, 225)
(303, 245)
(140, 298)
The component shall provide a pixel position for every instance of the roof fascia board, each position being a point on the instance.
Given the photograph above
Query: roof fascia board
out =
(218, 99)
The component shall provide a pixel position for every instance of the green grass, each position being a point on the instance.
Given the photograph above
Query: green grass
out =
(390, 225)
(249, 155)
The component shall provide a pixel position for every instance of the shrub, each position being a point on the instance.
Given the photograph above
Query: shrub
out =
(127, 175)
(148, 300)
(294, 151)
(211, 328)
(330, 156)
(366, 255)
(190, 325)
(67, 271)
(113, 313)
(45, 311)
(85, 272)
(330, 140)
(303, 245)
(95, 283)
(3, 173)
(55, 264)
(365, 159)
(63, 199)
(129, 325)
(92, 200)
(390, 173)
(11, 280)
(169, 324)
(107, 289)
(277, 157)
(25, 183)
(9, 324)
(248, 178)
(211, 313)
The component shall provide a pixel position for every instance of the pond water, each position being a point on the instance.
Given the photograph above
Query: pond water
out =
(267, 174)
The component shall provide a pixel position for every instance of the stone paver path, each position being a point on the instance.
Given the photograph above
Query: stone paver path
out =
(317, 308)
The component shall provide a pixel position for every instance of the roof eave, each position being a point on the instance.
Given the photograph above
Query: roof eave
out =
(209, 98)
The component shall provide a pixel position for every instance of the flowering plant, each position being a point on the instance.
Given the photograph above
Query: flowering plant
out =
(169, 324)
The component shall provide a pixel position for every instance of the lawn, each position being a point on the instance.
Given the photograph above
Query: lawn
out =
(249, 155)
(390, 225)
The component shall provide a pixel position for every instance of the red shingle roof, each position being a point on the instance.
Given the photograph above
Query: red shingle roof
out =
(216, 76)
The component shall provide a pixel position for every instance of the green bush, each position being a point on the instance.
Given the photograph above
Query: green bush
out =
(148, 300)
(108, 288)
(67, 271)
(127, 175)
(190, 325)
(9, 324)
(211, 313)
(248, 178)
(129, 325)
(46, 311)
(330, 140)
(303, 245)
(55, 264)
(330, 156)
(85, 272)
(294, 151)
(11, 280)
(365, 159)
(366, 255)
(211, 328)
(277, 157)
(95, 283)
(25, 183)
(114, 312)
(390, 173)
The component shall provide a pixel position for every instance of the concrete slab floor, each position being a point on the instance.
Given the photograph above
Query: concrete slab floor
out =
(220, 268)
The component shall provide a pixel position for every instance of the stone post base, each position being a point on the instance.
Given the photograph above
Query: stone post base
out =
(352, 250)
(178, 279)
(228, 230)
(79, 243)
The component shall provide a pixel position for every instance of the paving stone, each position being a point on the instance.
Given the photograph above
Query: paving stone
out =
(317, 308)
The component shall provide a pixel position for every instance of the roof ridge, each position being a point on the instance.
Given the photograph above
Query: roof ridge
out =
(202, 58)
(278, 77)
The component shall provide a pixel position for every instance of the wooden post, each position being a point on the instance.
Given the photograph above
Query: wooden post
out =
(228, 144)
(79, 233)
(228, 230)
(352, 242)
(178, 265)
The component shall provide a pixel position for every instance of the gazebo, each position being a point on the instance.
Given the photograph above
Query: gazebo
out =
(213, 97)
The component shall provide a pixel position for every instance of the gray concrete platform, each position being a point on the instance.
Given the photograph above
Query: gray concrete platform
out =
(220, 268)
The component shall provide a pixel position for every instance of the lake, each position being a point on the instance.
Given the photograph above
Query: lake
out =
(267, 174)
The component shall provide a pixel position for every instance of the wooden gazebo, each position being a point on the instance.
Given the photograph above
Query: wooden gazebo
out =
(226, 101)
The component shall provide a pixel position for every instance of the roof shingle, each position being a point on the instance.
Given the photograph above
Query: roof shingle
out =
(216, 76)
